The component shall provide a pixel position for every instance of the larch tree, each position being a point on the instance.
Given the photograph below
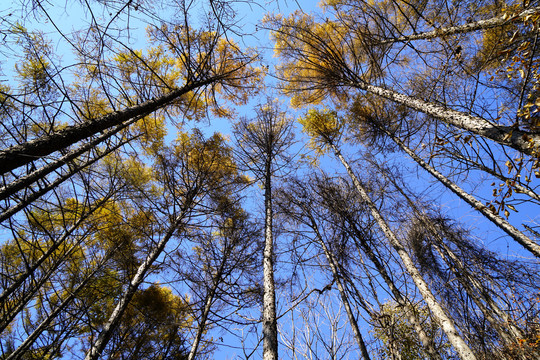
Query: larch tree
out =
(325, 129)
(262, 143)
(120, 240)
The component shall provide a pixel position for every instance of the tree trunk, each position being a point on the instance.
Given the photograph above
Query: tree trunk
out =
(466, 28)
(514, 183)
(207, 306)
(42, 191)
(427, 342)
(19, 155)
(40, 173)
(104, 336)
(446, 323)
(517, 235)
(352, 320)
(270, 334)
(524, 142)
(504, 327)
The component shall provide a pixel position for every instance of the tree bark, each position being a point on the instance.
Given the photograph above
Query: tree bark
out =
(104, 336)
(465, 28)
(337, 277)
(472, 286)
(524, 142)
(427, 342)
(42, 191)
(270, 334)
(25, 181)
(446, 323)
(19, 155)
(499, 221)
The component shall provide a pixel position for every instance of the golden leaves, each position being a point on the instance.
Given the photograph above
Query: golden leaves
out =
(323, 126)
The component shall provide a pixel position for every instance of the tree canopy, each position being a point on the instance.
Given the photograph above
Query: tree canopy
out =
(190, 180)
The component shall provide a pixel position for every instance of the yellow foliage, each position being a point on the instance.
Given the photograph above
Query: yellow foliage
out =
(323, 126)
(153, 132)
(313, 55)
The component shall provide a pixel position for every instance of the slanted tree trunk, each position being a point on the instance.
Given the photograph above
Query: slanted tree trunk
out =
(471, 284)
(518, 187)
(209, 299)
(337, 277)
(496, 219)
(524, 142)
(25, 181)
(465, 28)
(427, 342)
(45, 189)
(446, 323)
(19, 155)
(104, 336)
(29, 341)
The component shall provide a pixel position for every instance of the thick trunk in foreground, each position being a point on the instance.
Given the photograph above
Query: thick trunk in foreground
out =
(40, 173)
(446, 323)
(22, 154)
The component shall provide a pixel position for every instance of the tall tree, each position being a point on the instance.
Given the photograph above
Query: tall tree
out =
(324, 128)
(184, 73)
(263, 142)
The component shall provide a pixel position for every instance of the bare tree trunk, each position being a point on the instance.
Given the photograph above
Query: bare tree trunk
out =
(207, 306)
(465, 28)
(436, 309)
(29, 341)
(104, 336)
(25, 181)
(270, 333)
(517, 235)
(518, 187)
(337, 277)
(525, 142)
(52, 248)
(42, 191)
(503, 325)
(427, 342)
(19, 155)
